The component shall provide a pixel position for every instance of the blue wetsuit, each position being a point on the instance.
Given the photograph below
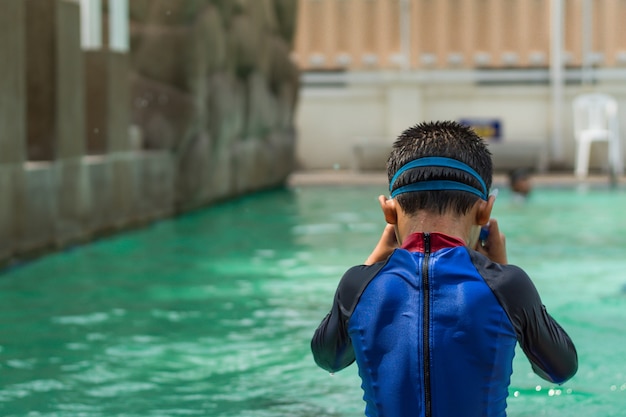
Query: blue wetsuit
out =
(433, 330)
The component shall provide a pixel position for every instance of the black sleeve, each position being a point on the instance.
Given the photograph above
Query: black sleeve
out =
(547, 346)
(331, 344)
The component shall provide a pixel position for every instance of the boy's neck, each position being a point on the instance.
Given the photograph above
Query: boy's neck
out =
(457, 226)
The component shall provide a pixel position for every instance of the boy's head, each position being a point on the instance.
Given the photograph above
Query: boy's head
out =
(454, 158)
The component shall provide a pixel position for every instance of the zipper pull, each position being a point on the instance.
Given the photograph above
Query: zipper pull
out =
(427, 242)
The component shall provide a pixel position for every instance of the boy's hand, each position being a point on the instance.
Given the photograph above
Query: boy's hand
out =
(386, 245)
(495, 246)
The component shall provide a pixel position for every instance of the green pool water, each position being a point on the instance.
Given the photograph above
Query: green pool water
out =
(211, 314)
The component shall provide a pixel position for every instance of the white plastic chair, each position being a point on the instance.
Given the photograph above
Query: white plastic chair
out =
(595, 120)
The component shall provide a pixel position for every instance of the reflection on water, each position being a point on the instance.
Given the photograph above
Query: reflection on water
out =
(212, 313)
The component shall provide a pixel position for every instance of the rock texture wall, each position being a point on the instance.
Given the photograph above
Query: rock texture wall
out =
(212, 82)
(208, 85)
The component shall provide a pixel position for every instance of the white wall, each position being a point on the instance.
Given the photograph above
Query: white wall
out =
(331, 121)
(374, 108)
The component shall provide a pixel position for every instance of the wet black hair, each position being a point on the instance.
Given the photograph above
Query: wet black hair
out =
(447, 139)
(518, 174)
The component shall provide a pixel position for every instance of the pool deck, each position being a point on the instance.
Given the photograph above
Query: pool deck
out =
(352, 177)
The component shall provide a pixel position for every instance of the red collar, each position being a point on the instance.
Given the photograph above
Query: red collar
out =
(415, 242)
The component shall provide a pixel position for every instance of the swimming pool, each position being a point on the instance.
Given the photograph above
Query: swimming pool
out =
(211, 314)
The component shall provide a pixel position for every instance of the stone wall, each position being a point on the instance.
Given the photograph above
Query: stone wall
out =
(212, 83)
(94, 142)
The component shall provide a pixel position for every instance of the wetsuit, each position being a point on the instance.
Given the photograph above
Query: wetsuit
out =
(433, 330)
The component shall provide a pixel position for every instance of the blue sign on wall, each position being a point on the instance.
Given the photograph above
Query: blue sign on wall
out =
(486, 128)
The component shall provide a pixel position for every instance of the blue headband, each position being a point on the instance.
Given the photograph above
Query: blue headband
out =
(438, 185)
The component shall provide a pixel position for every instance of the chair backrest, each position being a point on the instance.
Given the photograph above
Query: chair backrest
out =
(595, 111)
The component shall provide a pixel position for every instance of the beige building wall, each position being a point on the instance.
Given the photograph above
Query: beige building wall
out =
(480, 59)
(366, 34)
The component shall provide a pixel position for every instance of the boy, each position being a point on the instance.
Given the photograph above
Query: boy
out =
(433, 316)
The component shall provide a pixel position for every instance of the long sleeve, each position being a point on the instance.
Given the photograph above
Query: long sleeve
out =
(331, 344)
(547, 346)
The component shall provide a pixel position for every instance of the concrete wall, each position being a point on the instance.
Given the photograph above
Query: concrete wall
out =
(213, 83)
(62, 197)
(107, 95)
(350, 121)
(12, 118)
(94, 142)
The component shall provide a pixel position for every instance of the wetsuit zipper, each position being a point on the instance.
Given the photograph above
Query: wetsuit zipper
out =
(426, 326)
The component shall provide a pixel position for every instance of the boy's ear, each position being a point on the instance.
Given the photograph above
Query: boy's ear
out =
(389, 207)
(483, 214)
